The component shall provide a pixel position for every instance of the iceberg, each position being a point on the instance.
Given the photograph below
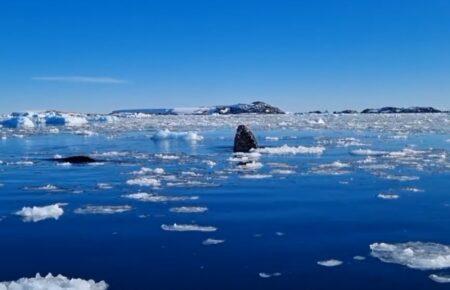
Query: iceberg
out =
(39, 213)
(58, 282)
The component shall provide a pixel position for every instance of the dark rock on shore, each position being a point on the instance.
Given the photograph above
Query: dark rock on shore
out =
(244, 140)
(395, 110)
(75, 159)
(346, 112)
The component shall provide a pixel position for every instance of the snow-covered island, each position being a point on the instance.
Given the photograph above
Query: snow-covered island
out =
(253, 108)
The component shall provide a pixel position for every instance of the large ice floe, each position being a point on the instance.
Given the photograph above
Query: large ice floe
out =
(285, 149)
(188, 228)
(416, 255)
(103, 209)
(330, 263)
(39, 213)
(150, 197)
(50, 282)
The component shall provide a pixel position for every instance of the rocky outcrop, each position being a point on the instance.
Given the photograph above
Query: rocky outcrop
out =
(395, 110)
(346, 112)
(253, 108)
(244, 140)
(75, 159)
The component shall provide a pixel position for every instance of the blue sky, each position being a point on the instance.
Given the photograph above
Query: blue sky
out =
(88, 55)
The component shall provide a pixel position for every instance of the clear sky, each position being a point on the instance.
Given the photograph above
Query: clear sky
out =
(89, 55)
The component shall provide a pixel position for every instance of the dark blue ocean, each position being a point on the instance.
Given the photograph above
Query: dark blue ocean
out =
(275, 220)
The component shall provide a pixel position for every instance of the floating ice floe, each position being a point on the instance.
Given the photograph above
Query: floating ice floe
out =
(368, 152)
(188, 228)
(144, 181)
(416, 255)
(210, 163)
(400, 177)
(282, 171)
(39, 213)
(330, 263)
(102, 185)
(255, 176)
(167, 156)
(335, 168)
(145, 170)
(103, 209)
(269, 275)
(51, 282)
(48, 187)
(439, 278)
(412, 189)
(285, 149)
(189, 209)
(359, 258)
(149, 197)
(166, 134)
(388, 196)
(347, 142)
(210, 242)
(269, 138)
(252, 165)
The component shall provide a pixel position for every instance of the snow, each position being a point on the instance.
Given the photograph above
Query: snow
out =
(188, 228)
(50, 282)
(39, 213)
(416, 255)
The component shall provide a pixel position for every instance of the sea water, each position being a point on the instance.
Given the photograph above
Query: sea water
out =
(329, 202)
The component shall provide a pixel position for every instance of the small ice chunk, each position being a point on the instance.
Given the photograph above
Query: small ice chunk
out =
(187, 228)
(330, 263)
(388, 196)
(39, 213)
(269, 275)
(359, 258)
(255, 176)
(209, 242)
(368, 152)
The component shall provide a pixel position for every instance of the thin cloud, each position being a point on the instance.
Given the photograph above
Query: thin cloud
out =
(80, 79)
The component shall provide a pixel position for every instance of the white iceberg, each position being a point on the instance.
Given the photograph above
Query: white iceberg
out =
(39, 213)
(144, 181)
(149, 197)
(51, 282)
